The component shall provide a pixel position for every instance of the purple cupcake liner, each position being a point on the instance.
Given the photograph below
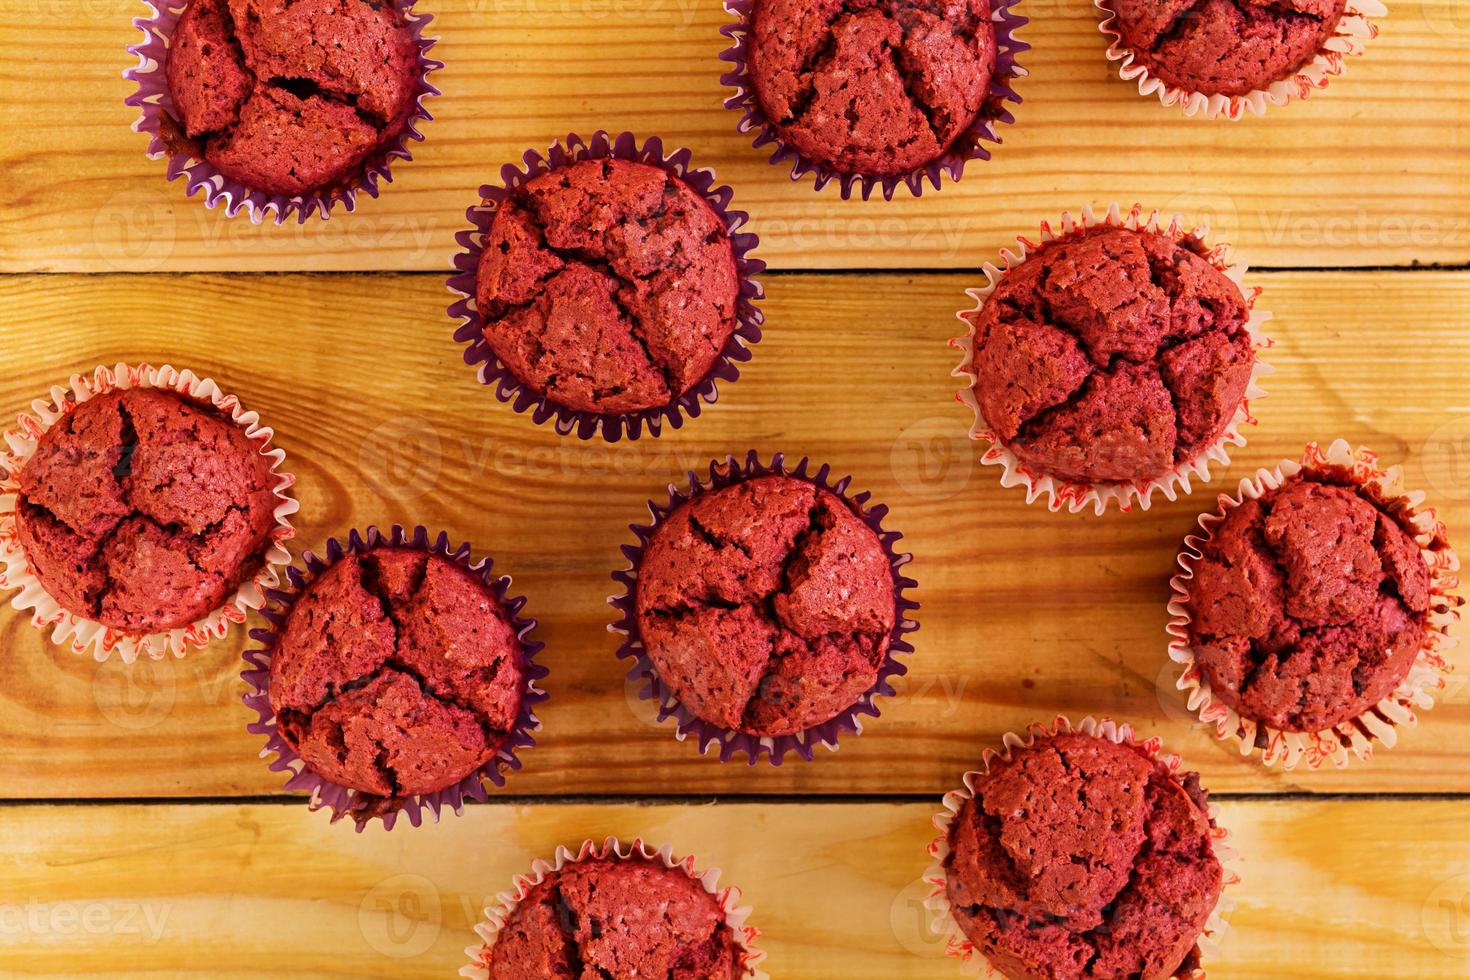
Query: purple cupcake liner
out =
(725, 473)
(509, 388)
(342, 800)
(157, 118)
(969, 145)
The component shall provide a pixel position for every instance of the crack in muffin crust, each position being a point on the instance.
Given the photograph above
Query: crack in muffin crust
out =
(291, 96)
(872, 86)
(397, 673)
(602, 918)
(607, 286)
(143, 509)
(767, 606)
(1310, 604)
(1111, 355)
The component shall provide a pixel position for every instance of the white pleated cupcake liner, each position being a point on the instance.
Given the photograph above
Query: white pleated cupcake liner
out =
(1353, 30)
(1078, 496)
(82, 633)
(943, 923)
(1354, 736)
(506, 902)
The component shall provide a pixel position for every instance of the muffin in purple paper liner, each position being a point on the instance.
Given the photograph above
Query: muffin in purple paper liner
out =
(631, 239)
(924, 110)
(271, 120)
(395, 675)
(764, 608)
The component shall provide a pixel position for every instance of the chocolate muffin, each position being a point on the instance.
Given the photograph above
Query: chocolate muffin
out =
(396, 672)
(1310, 604)
(1111, 356)
(872, 87)
(291, 96)
(1080, 858)
(144, 510)
(607, 286)
(766, 607)
(610, 918)
(1225, 47)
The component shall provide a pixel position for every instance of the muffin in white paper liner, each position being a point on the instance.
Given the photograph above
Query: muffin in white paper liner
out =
(81, 633)
(1353, 29)
(1355, 736)
(1077, 496)
(943, 923)
(728, 899)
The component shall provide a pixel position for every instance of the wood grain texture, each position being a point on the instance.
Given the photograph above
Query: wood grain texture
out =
(1025, 613)
(1358, 888)
(1370, 172)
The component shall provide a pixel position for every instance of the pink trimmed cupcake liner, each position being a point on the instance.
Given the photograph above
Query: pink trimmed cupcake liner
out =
(969, 145)
(1353, 30)
(82, 634)
(1077, 496)
(942, 923)
(343, 800)
(1427, 675)
(724, 473)
(157, 118)
(728, 898)
(509, 388)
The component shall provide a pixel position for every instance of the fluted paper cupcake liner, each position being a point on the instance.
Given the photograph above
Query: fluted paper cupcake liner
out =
(496, 916)
(1077, 496)
(346, 801)
(508, 387)
(969, 145)
(159, 120)
(81, 633)
(943, 923)
(1354, 736)
(1354, 28)
(725, 473)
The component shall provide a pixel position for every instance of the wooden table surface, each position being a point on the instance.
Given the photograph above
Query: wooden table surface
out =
(140, 834)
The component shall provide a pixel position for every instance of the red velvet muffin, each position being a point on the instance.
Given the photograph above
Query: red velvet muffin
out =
(144, 510)
(396, 673)
(608, 918)
(608, 286)
(1111, 356)
(1309, 605)
(1080, 858)
(1224, 47)
(766, 607)
(871, 87)
(291, 96)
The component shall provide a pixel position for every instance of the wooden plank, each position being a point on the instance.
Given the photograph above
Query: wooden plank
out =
(1369, 172)
(1026, 613)
(1361, 888)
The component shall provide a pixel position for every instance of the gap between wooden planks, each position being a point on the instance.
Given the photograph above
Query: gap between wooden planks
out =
(1363, 888)
(1025, 613)
(1369, 172)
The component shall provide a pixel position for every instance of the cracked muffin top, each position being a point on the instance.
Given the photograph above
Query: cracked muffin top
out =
(144, 510)
(1080, 858)
(767, 606)
(872, 87)
(1309, 605)
(1111, 356)
(1225, 47)
(608, 286)
(605, 918)
(291, 96)
(397, 672)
